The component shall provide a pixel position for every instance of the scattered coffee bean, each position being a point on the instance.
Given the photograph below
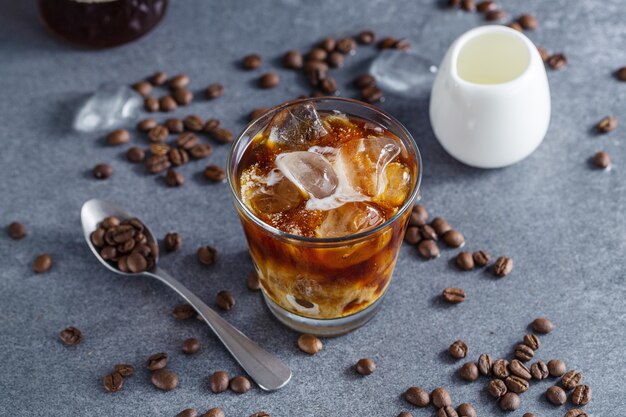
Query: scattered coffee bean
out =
(524, 353)
(486, 6)
(453, 238)
(529, 415)
(143, 87)
(317, 54)
(113, 382)
(453, 295)
(466, 410)
(601, 159)
(309, 344)
(496, 388)
(218, 382)
(207, 255)
(528, 22)
(190, 346)
(468, 5)
(542, 325)
(151, 104)
(427, 232)
(16, 230)
(543, 53)
(469, 372)
(517, 368)
(440, 225)
(253, 283)
(292, 60)
(251, 61)
(494, 15)
(269, 80)
(386, 43)
(225, 300)
(201, 150)
(576, 412)
(193, 122)
(371, 94)
(447, 411)
(183, 312)
(364, 81)
(465, 261)
(509, 402)
(403, 44)
(186, 140)
(412, 235)
(70, 336)
(102, 171)
(539, 370)
(556, 367)
(515, 26)
(556, 395)
(182, 96)
(440, 397)
(157, 361)
(159, 148)
(211, 125)
(174, 178)
(315, 72)
(178, 156)
(214, 173)
(118, 137)
(346, 45)
(428, 249)
(240, 384)
(158, 78)
(260, 414)
(365, 366)
(167, 104)
(607, 124)
(581, 395)
(124, 369)
(366, 37)
(135, 154)
(500, 368)
(179, 81)
(458, 349)
(157, 163)
(503, 266)
(175, 125)
(557, 61)
(42, 263)
(328, 85)
(417, 396)
(188, 412)
(620, 74)
(222, 135)
(532, 341)
(405, 414)
(571, 379)
(328, 44)
(485, 364)
(218, 412)
(158, 134)
(516, 384)
(172, 242)
(214, 91)
(164, 380)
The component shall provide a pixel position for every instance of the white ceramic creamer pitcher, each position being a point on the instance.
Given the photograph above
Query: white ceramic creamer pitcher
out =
(490, 102)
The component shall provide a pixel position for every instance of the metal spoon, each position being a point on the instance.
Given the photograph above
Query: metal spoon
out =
(265, 369)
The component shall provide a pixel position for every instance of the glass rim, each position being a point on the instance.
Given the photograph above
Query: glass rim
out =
(315, 240)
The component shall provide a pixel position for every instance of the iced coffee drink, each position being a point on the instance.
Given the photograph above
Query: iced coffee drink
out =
(323, 188)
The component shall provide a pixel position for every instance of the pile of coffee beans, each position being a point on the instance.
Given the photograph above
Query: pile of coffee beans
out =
(440, 399)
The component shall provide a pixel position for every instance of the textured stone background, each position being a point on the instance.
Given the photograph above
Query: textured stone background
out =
(562, 222)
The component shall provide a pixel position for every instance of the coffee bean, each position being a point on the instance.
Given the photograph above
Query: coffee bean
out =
(405, 45)
(118, 137)
(576, 412)
(292, 60)
(371, 94)
(458, 349)
(364, 81)
(157, 163)
(222, 135)
(218, 382)
(167, 104)
(269, 80)
(218, 412)
(543, 53)
(556, 367)
(453, 295)
(494, 15)
(42, 263)
(557, 61)
(186, 140)
(102, 171)
(581, 395)
(188, 412)
(571, 379)
(309, 344)
(329, 85)
(225, 300)
(328, 44)
(468, 5)
(607, 124)
(175, 125)
(109, 253)
(466, 410)
(500, 368)
(251, 61)
(509, 402)
(366, 37)
(151, 104)
(556, 395)
(173, 242)
(239, 384)
(201, 150)
(601, 160)
(346, 45)
(207, 255)
(143, 87)
(159, 148)
(174, 178)
(365, 366)
(515, 26)
(317, 54)
(110, 222)
(542, 325)
(158, 134)
(496, 388)
(528, 22)
(486, 6)
(464, 261)
(405, 414)
(529, 415)
(516, 384)
(621, 74)
(157, 361)
(193, 122)
(517, 368)
(137, 262)
(158, 78)
(484, 364)
(524, 353)
(428, 232)
(214, 173)
(440, 225)
(539, 370)
(164, 380)
(211, 125)
(440, 397)
(453, 238)
(178, 156)
(113, 382)
(214, 91)
(386, 43)
(469, 372)
(190, 346)
(412, 235)
(183, 312)
(315, 72)
(428, 249)
(253, 283)
(135, 154)
(417, 396)
(532, 341)
(16, 230)
(447, 412)
(70, 336)
(124, 370)
(503, 266)
(179, 81)
(182, 96)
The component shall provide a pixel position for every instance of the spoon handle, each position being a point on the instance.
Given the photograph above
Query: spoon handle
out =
(265, 369)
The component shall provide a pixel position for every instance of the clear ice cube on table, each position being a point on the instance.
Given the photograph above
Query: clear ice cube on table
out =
(309, 171)
(296, 126)
(349, 219)
(108, 107)
(403, 72)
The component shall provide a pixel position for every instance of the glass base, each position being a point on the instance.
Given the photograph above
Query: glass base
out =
(323, 327)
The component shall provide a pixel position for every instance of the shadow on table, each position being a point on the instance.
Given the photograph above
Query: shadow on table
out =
(22, 26)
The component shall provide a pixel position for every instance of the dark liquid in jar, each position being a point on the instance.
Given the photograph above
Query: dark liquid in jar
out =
(101, 24)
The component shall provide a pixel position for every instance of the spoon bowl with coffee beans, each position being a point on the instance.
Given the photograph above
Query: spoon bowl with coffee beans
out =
(126, 246)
